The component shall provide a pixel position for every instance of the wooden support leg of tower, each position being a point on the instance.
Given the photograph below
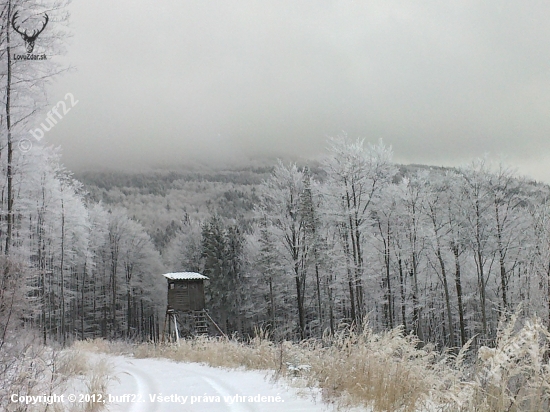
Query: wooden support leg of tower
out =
(215, 324)
(164, 327)
(176, 328)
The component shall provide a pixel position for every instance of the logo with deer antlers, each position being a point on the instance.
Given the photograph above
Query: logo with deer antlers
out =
(29, 38)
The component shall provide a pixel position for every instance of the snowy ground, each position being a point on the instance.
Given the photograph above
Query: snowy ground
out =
(153, 385)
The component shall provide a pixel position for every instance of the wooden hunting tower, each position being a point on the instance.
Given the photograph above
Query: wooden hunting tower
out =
(186, 291)
(186, 310)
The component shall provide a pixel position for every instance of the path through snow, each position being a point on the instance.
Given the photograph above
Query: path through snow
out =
(195, 387)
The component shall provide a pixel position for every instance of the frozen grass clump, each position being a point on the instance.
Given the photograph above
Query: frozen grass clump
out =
(514, 375)
(387, 371)
(28, 368)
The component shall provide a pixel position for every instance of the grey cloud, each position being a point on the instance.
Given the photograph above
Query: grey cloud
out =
(161, 82)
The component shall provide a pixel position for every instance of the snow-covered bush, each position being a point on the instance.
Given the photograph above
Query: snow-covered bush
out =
(387, 371)
(513, 376)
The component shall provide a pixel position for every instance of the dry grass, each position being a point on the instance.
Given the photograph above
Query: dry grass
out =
(104, 346)
(28, 368)
(99, 376)
(515, 375)
(387, 371)
(255, 354)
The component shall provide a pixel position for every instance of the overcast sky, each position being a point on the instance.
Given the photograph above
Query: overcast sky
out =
(443, 82)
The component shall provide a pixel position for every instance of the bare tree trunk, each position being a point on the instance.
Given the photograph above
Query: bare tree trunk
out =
(345, 242)
(272, 303)
(82, 308)
(114, 241)
(417, 312)
(41, 252)
(318, 284)
(389, 297)
(128, 299)
(142, 318)
(503, 280)
(300, 299)
(433, 218)
(402, 290)
(299, 289)
(447, 296)
(355, 248)
(62, 274)
(359, 276)
(331, 304)
(388, 310)
(458, 284)
(9, 216)
(481, 281)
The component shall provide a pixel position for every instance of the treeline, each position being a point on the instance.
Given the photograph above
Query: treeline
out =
(84, 271)
(163, 182)
(442, 253)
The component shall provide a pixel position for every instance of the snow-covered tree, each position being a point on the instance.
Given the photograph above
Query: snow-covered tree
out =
(355, 177)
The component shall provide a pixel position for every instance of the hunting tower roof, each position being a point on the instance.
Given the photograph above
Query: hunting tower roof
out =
(185, 276)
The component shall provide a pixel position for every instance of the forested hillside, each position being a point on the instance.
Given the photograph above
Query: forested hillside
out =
(165, 201)
(74, 269)
(298, 250)
(444, 253)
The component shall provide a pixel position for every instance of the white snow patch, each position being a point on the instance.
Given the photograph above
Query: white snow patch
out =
(196, 387)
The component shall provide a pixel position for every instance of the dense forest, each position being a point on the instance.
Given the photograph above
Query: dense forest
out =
(69, 268)
(295, 249)
(356, 239)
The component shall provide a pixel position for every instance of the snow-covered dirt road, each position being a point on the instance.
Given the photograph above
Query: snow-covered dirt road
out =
(158, 385)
